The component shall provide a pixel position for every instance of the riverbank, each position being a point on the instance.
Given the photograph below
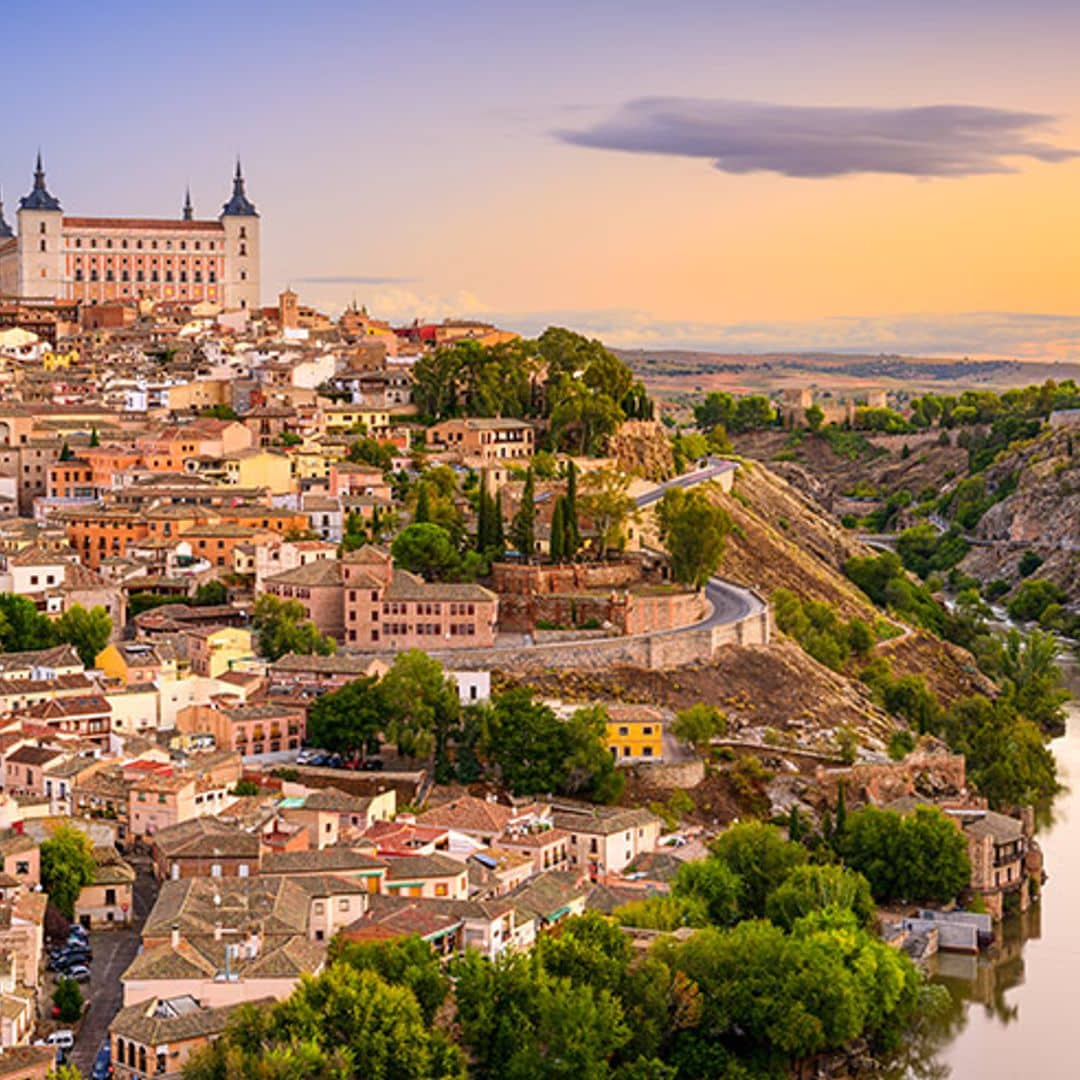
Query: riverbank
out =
(1013, 1011)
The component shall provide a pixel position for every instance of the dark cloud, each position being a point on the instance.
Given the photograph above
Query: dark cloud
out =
(813, 141)
(353, 279)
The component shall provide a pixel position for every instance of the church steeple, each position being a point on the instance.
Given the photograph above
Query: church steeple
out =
(6, 232)
(189, 210)
(39, 197)
(239, 205)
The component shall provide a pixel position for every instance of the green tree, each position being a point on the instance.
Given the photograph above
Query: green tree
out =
(421, 707)
(22, 626)
(1007, 758)
(95, 440)
(605, 501)
(426, 549)
(761, 858)
(67, 864)
(698, 725)
(529, 744)
(68, 999)
(572, 537)
(714, 886)
(66, 453)
(342, 1023)
(815, 417)
(422, 513)
(1029, 666)
(408, 961)
(695, 532)
(89, 631)
(211, 594)
(558, 533)
(591, 768)
(523, 527)
(346, 721)
(282, 627)
(917, 856)
(519, 1022)
(379, 455)
(815, 888)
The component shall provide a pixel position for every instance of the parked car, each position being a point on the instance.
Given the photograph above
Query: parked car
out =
(73, 952)
(103, 1067)
(80, 973)
(372, 765)
(62, 1040)
(318, 760)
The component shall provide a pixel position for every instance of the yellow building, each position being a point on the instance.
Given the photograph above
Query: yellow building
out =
(339, 418)
(635, 732)
(135, 663)
(260, 469)
(214, 650)
(55, 360)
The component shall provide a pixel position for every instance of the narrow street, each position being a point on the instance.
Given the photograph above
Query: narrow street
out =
(113, 952)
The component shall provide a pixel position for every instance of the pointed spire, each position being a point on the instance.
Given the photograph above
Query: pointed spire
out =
(39, 197)
(189, 210)
(239, 205)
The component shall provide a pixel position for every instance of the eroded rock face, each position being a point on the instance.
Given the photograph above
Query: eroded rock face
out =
(641, 448)
(1042, 514)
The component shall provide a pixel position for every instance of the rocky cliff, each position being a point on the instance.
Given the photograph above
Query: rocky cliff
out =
(1041, 515)
(641, 448)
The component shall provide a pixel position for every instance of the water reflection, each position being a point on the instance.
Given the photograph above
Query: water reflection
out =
(1012, 1011)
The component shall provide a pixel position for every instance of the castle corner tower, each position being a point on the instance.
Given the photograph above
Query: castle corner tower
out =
(240, 220)
(40, 241)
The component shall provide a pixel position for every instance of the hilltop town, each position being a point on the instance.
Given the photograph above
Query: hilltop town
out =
(332, 645)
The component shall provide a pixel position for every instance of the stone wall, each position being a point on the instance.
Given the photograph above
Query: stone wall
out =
(532, 580)
(671, 775)
(931, 767)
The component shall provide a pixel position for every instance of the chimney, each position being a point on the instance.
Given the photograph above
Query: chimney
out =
(217, 930)
(174, 936)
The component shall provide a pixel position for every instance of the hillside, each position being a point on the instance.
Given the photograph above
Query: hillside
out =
(783, 539)
(1041, 515)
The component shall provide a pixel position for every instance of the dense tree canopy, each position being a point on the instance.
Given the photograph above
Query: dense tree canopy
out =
(282, 627)
(916, 856)
(695, 532)
(67, 864)
(584, 390)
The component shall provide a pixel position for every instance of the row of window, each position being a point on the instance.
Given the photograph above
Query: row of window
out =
(140, 275)
(401, 608)
(197, 245)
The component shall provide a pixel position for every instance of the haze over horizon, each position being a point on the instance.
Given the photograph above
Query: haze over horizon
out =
(889, 177)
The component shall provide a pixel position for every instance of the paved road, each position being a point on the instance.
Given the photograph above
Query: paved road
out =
(113, 952)
(713, 469)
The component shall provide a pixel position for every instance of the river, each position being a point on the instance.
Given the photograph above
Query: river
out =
(1014, 1011)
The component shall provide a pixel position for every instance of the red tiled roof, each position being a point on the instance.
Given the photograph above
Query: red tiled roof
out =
(142, 223)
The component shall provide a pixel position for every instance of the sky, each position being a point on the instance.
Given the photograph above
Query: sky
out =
(758, 176)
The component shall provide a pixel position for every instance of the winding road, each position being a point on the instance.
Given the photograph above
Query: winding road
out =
(729, 602)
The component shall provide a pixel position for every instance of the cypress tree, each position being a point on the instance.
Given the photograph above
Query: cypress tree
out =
(94, 439)
(423, 505)
(65, 452)
(523, 527)
(840, 826)
(483, 518)
(572, 539)
(498, 536)
(558, 533)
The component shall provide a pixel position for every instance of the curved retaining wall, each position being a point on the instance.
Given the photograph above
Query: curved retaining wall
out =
(660, 650)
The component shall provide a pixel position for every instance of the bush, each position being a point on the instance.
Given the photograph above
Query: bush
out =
(901, 743)
(68, 999)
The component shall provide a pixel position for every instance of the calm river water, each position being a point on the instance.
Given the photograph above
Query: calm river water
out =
(1016, 1012)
